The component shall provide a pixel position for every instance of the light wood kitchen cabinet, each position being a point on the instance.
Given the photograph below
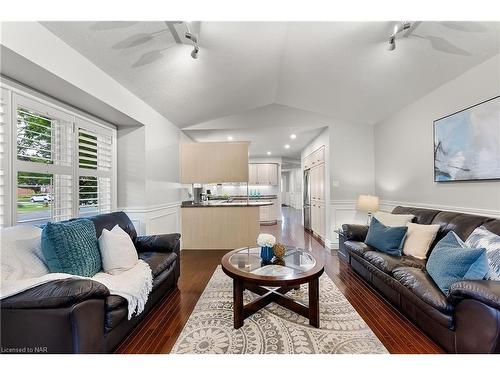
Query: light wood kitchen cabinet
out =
(214, 162)
(263, 174)
(219, 227)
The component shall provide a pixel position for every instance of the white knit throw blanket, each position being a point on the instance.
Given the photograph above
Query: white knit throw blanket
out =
(23, 268)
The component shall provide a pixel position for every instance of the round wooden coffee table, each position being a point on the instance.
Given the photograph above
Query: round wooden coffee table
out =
(248, 271)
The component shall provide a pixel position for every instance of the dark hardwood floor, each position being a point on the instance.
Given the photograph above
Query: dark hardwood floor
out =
(159, 330)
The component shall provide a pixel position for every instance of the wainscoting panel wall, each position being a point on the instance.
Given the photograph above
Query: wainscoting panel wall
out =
(155, 219)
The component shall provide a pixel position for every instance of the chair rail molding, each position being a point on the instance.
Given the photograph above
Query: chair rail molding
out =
(387, 205)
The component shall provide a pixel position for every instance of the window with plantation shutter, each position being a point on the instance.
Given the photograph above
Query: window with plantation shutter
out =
(62, 165)
(4, 155)
(44, 162)
(95, 153)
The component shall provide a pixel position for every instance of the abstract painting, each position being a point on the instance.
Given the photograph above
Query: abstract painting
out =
(467, 144)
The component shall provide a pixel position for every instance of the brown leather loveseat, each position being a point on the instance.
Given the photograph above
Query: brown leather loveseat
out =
(81, 316)
(467, 320)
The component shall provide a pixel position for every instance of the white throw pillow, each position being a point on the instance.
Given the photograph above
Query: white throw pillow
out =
(393, 220)
(419, 239)
(21, 253)
(118, 252)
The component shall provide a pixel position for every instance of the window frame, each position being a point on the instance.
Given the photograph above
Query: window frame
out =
(19, 98)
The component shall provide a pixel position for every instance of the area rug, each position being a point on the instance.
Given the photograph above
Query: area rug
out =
(274, 329)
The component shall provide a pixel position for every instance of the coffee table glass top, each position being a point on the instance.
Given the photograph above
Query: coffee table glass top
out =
(294, 262)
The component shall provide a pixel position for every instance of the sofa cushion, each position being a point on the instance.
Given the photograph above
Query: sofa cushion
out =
(462, 224)
(385, 238)
(71, 247)
(158, 262)
(422, 215)
(387, 263)
(420, 284)
(452, 261)
(357, 247)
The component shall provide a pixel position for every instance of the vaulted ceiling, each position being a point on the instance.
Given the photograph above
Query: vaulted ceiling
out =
(339, 70)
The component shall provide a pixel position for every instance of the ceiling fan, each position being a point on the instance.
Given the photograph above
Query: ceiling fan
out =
(407, 29)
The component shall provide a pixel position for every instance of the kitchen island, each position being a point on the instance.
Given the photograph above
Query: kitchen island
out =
(220, 224)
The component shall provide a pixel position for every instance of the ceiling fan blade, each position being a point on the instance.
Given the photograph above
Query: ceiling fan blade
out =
(467, 26)
(412, 28)
(443, 45)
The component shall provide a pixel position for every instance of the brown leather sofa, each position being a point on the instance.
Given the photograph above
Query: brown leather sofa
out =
(81, 316)
(467, 320)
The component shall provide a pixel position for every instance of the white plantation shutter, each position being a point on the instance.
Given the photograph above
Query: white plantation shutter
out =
(44, 162)
(4, 156)
(95, 162)
(55, 165)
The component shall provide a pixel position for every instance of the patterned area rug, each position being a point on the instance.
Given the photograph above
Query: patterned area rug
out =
(274, 329)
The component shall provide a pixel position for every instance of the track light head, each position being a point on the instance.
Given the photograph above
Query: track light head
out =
(191, 37)
(392, 43)
(194, 52)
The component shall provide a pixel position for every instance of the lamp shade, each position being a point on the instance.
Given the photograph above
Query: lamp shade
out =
(367, 203)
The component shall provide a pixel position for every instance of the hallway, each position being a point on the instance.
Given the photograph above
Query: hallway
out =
(158, 332)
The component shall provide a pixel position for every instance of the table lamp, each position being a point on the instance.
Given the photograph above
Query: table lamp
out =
(368, 204)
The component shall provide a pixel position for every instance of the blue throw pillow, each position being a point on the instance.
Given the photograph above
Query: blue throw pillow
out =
(386, 239)
(451, 261)
(71, 247)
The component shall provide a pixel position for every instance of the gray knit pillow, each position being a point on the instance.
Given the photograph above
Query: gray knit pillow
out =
(483, 238)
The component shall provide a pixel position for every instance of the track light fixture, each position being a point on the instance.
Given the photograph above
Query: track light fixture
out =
(193, 38)
(399, 27)
(194, 52)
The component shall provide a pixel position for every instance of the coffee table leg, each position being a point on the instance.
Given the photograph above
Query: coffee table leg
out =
(237, 303)
(314, 303)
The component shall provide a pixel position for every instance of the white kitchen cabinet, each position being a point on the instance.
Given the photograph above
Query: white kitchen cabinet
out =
(252, 174)
(270, 213)
(263, 174)
(315, 158)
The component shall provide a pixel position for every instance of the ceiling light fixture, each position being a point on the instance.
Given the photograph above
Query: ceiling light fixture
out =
(269, 153)
(287, 146)
(229, 138)
(399, 27)
(293, 136)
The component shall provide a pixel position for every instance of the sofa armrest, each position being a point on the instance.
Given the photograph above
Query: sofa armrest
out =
(355, 232)
(485, 291)
(160, 243)
(55, 294)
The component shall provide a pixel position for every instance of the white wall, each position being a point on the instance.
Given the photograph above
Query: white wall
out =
(148, 168)
(404, 148)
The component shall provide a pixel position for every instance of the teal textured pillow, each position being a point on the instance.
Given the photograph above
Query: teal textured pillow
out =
(384, 238)
(71, 247)
(451, 261)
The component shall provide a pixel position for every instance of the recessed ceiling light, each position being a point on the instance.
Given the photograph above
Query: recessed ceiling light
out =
(293, 136)
(269, 152)
(229, 138)
(287, 146)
